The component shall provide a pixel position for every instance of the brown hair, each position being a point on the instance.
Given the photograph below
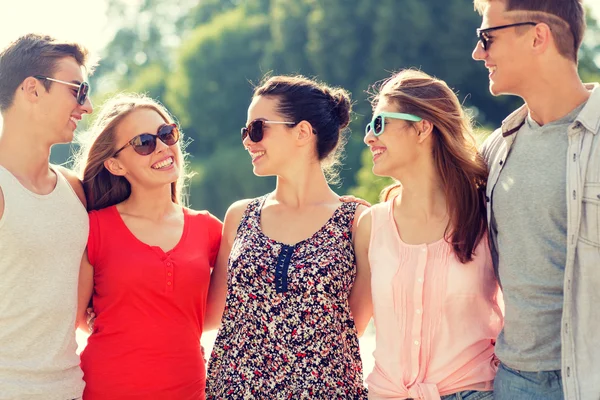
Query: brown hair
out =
(461, 169)
(32, 55)
(327, 109)
(566, 19)
(102, 188)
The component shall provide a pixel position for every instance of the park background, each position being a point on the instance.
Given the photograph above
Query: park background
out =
(201, 58)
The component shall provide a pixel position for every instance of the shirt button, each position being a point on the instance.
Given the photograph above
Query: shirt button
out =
(418, 311)
(424, 249)
(169, 274)
(416, 342)
(169, 283)
(420, 280)
(169, 263)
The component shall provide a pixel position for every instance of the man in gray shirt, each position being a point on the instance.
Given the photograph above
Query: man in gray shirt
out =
(543, 198)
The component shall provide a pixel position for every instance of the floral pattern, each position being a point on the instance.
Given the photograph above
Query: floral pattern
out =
(287, 331)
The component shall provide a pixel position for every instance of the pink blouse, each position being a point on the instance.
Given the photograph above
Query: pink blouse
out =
(436, 319)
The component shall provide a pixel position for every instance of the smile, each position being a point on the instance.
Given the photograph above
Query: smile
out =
(164, 163)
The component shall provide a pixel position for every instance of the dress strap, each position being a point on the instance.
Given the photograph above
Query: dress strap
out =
(251, 216)
(346, 215)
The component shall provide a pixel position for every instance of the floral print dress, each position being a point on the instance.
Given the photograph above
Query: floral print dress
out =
(287, 331)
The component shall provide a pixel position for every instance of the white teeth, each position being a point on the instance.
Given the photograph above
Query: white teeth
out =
(164, 163)
(74, 120)
(256, 155)
(492, 69)
(378, 152)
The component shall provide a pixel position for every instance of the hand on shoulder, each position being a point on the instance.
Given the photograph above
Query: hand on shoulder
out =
(351, 199)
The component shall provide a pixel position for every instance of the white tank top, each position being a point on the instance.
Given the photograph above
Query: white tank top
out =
(42, 239)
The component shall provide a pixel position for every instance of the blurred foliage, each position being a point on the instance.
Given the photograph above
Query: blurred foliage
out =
(202, 57)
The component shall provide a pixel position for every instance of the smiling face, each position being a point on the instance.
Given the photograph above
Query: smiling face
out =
(397, 147)
(161, 167)
(57, 110)
(508, 57)
(276, 149)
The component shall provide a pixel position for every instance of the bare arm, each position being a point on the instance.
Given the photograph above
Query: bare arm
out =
(75, 183)
(361, 302)
(217, 291)
(85, 289)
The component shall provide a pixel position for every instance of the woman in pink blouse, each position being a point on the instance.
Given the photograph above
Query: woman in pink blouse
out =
(437, 305)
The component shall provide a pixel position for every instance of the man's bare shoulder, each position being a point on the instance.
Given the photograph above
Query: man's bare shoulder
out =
(74, 181)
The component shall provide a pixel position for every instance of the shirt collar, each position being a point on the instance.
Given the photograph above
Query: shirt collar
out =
(589, 116)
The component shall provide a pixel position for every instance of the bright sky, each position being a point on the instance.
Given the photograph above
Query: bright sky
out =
(83, 21)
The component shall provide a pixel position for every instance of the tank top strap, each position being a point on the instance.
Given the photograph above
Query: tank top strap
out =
(344, 216)
(251, 216)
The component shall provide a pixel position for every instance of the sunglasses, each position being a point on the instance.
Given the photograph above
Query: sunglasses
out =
(145, 143)
(484, 38)
(255, 129)
(377, 124)
(83, 88)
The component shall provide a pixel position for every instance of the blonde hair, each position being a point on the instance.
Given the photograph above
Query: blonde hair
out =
(102, 188)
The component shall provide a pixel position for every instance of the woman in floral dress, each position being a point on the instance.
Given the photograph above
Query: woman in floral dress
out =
(294, 298)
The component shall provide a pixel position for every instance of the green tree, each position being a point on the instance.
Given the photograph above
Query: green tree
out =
(286, 51)
(210, 92)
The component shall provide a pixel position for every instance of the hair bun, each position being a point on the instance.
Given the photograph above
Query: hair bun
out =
(342, 106)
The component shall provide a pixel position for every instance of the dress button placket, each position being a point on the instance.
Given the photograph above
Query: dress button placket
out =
(418, 311)
(169, 275)
(281, 268)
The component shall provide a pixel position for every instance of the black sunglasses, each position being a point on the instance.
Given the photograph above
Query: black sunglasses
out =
(254, 130)
(482, 34)
(82, 89)
(145, 143)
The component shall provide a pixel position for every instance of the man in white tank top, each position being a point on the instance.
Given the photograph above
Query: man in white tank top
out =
(43, 220)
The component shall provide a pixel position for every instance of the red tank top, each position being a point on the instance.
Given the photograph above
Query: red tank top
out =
(150, 307)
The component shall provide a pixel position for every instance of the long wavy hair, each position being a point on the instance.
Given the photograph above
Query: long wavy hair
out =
(102, 188)
(461, 169)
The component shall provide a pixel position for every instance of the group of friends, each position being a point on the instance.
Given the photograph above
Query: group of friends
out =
(480, 266)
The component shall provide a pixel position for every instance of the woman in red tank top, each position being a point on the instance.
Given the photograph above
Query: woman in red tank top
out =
(148, 259)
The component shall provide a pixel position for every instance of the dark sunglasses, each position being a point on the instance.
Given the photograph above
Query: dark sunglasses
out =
(82, 89)
(254, 130)
(145, 143)
(482, 34)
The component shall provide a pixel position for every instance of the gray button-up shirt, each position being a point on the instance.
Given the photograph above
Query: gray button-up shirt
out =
(580, 330)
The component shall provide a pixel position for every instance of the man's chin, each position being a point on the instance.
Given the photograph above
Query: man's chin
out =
(494, 90)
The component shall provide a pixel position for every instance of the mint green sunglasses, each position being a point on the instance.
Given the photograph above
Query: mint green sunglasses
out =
(377, 124)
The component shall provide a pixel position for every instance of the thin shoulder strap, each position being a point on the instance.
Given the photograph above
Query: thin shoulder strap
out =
(251, 215)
